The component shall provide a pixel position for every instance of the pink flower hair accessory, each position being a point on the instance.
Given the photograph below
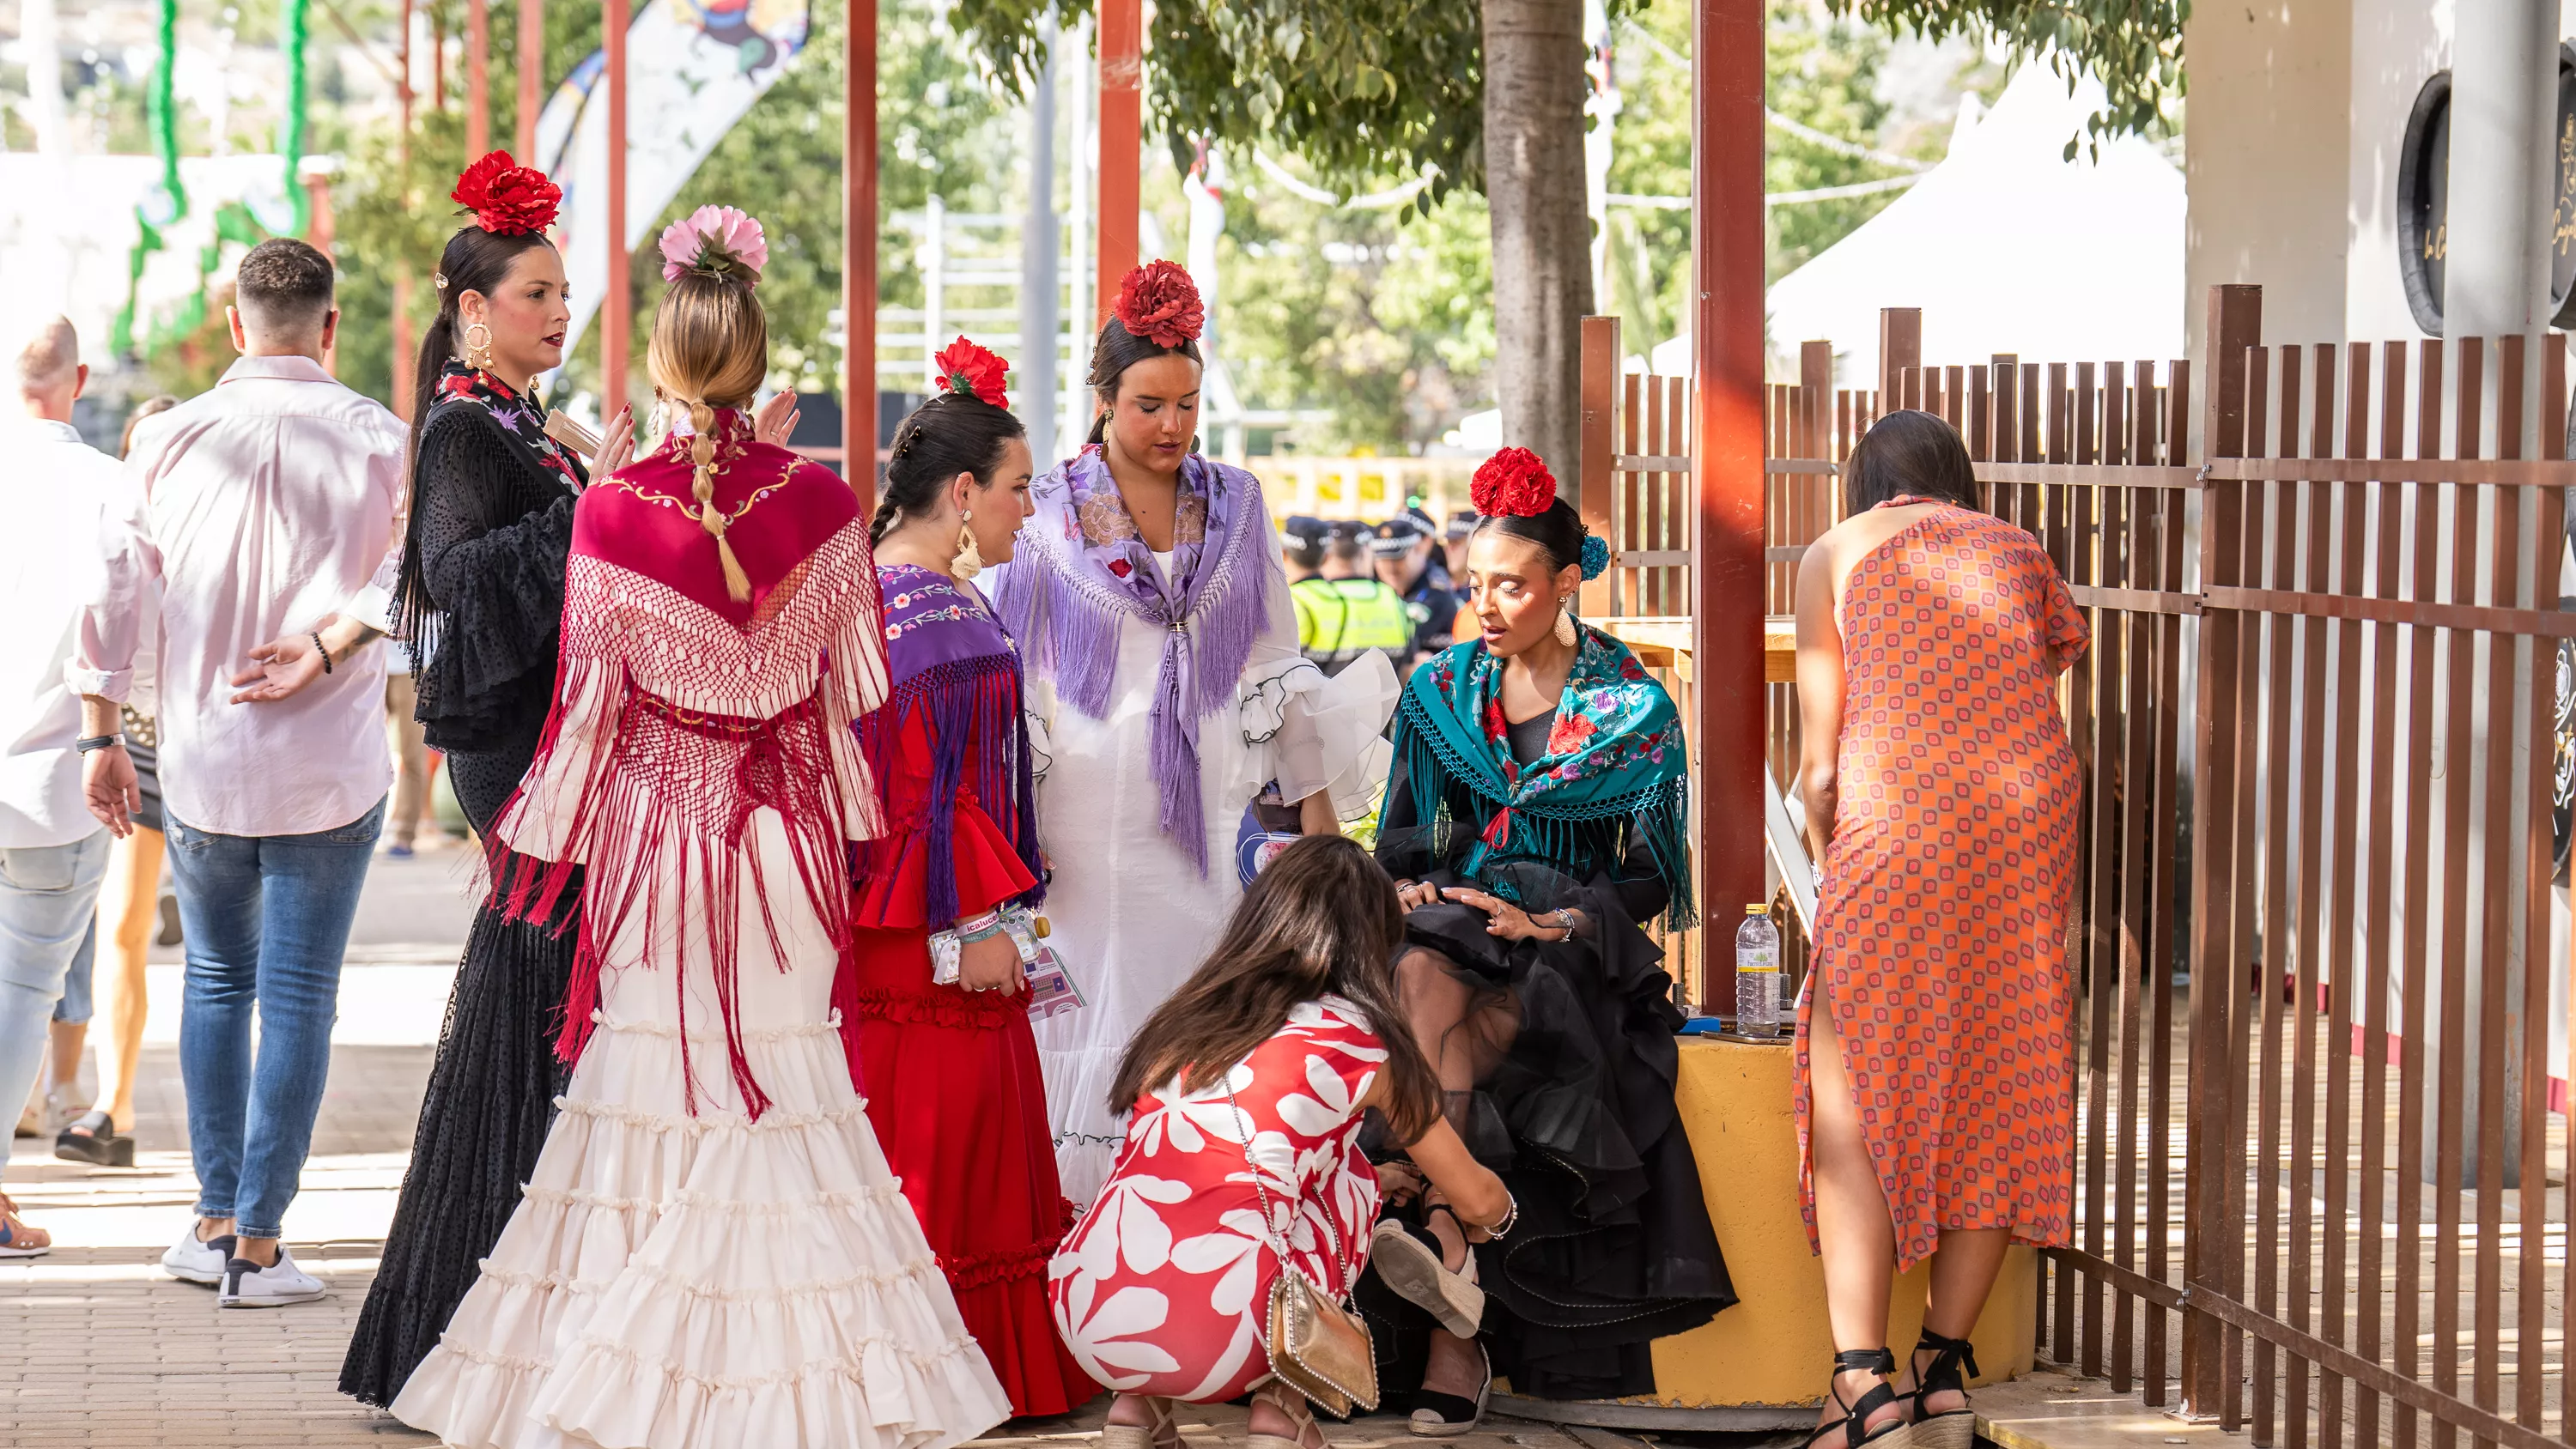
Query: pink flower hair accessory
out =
(715, 241)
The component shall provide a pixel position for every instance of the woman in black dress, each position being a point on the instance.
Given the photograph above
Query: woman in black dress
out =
(480, 599)
(1534, 825)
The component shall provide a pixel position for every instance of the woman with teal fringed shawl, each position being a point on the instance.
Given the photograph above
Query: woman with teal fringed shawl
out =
(1535, 823)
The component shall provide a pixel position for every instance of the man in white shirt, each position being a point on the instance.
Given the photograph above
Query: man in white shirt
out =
(268, 512)
(52, 854)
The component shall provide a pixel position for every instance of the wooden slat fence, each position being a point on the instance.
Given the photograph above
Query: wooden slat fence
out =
(2320, 1169)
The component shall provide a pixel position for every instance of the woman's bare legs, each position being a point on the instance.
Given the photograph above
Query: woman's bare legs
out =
(128, 909)
(1963, 1273)
(1438, 1004)
(1853, 1230)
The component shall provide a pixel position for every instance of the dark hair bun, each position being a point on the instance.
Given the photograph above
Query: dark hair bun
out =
(1557, 529)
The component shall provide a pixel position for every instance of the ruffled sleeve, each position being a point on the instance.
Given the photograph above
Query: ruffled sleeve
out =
(484, 590)
(1304, 731)
(894, 877)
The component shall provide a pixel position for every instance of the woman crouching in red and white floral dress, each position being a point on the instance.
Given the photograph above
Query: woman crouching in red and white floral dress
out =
(1248, 1089)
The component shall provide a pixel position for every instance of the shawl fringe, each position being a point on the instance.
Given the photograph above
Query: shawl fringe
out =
(965, 703)
(1072, 622)
(1589, 838)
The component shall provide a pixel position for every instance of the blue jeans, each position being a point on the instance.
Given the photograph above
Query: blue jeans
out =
(48, 902)
(78, 1005)
(267, 918)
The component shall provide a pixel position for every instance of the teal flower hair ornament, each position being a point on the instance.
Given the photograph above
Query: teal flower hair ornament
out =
(1596, 556)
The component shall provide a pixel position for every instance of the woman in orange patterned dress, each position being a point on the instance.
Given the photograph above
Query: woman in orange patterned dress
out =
(1936, 1100)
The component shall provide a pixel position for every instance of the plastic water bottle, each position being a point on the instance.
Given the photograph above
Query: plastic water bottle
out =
(1757, 972)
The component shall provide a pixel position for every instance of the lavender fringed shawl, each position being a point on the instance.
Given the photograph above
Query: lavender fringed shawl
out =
(947, 656)
(1081, 564)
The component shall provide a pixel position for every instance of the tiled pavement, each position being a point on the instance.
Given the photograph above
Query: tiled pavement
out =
(97, 1348)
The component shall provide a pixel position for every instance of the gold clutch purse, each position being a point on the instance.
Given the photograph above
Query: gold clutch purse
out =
(1317, 1346)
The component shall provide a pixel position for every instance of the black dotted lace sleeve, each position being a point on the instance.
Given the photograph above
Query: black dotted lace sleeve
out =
(488, 541)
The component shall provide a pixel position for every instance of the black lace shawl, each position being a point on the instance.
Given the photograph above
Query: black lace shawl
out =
(481, 593)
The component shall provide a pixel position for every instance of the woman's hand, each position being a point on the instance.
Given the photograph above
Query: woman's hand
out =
(1511, 922)
(617, 449)
(1413, 895)
(1399, 1182)
(992, 964)
(775, 420)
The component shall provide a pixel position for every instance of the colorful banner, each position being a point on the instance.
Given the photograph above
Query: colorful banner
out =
(693, 68)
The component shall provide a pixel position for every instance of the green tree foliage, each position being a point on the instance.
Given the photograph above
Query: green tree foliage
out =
(1364, 89)
(941, 128)
(1388, 326)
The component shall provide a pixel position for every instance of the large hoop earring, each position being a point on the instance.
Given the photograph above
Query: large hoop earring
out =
(1565, 634)
(970, 559)
(478, 354)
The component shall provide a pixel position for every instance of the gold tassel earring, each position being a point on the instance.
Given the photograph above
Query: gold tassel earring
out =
(970, 559)
(1565, 634)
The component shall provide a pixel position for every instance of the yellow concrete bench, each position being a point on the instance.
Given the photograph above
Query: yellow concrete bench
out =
(1762, 1363)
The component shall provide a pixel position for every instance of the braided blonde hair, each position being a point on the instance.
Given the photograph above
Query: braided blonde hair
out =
(710, 350)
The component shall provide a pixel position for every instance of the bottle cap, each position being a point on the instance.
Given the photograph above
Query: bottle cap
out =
(1757, 908)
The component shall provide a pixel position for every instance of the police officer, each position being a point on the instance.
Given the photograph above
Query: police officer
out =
(1408, 556)
(1342, 609)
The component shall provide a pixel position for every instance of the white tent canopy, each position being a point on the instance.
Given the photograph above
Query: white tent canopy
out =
(2008, 247)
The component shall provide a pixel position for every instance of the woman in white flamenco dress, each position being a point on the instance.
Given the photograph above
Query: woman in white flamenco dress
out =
(1161, 646)
(712, 1251)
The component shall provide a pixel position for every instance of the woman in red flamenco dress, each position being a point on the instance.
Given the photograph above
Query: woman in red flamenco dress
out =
(950, 1067)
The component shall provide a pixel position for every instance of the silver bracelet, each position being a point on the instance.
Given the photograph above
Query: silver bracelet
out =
(1511, 1216)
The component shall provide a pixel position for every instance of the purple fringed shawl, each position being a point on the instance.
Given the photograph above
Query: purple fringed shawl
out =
(1081, 564)
(949, 657)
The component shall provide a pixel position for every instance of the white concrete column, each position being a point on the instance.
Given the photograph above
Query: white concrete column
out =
(2504, 99)
(2504, 96)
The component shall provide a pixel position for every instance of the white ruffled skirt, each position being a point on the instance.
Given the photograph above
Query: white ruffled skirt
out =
(679, 1279)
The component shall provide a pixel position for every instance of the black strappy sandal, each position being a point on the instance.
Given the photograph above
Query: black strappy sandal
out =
(1855, 1421)
(1956, 1429)
(93, 1138)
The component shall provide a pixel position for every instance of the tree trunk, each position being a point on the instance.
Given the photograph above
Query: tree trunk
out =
(1534, 92)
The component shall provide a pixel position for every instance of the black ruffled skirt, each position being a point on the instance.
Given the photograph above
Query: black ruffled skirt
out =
(1574, 1108)
(490, 1101)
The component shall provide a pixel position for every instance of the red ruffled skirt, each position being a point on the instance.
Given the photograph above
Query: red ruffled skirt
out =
(954, 1092)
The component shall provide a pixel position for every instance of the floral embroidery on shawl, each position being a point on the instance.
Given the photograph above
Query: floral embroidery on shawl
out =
(1615, 764)
(1082, 564)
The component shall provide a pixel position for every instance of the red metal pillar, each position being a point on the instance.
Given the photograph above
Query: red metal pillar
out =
(478, 79)
(1122, 67)
(859, 257)
(401, 372)
(1727, 258)
(616, 310)
(532, 67)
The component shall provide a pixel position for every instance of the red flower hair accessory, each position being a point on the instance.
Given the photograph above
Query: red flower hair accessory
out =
(1512, 483)
(507, 199)
(975, 371)
(1160, 303)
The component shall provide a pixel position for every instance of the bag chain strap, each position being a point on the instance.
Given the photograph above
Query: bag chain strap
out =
(1287, 1261)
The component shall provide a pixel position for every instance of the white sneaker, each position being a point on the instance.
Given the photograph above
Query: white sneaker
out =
(248, 1285)
(192, 1260)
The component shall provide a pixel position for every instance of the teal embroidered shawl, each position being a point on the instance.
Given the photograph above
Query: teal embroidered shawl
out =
(1615, 769)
